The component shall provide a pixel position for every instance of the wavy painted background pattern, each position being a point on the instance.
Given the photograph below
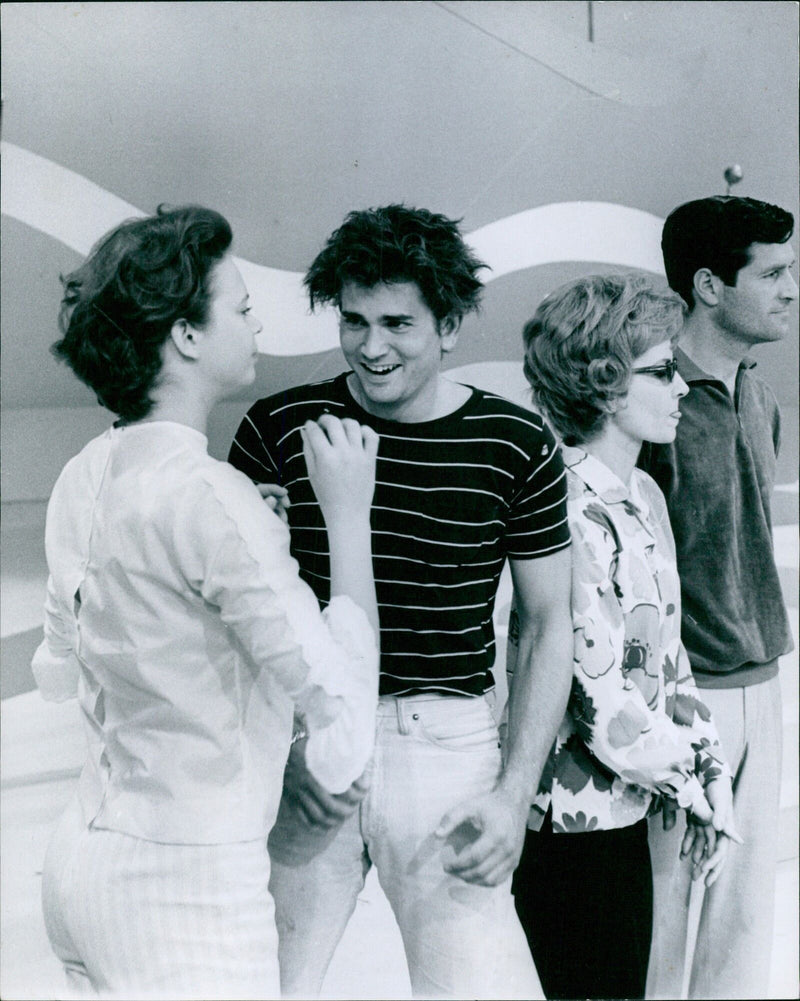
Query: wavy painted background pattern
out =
(74, 210)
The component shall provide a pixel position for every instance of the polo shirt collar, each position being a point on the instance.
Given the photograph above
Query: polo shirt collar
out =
(690, 372)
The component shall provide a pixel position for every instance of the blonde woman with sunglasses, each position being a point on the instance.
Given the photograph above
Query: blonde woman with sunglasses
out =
(599, 358)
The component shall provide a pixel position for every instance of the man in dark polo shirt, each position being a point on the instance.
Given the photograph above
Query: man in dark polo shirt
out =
(730, 259)
(465, 480)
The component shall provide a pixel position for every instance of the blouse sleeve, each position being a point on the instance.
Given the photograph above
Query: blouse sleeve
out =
(55, 666)
(235, 552)
(628, 733)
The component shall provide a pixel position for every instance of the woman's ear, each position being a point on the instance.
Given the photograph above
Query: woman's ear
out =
(185, 338)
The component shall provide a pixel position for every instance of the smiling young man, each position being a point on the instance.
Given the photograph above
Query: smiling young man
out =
(465, 481)
(730, 259)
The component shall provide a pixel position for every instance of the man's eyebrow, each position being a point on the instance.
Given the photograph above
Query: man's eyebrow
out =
(385, 317)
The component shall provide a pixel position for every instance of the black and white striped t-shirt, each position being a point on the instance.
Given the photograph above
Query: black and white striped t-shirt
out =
(454, 497)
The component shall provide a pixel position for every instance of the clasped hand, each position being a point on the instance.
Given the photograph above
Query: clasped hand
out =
(708, 835)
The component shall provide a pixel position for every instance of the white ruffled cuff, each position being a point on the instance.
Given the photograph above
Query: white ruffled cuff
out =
(56, 676)
(341, 698)
(691, 795)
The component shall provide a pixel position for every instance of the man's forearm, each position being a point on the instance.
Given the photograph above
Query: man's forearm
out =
(537, 701)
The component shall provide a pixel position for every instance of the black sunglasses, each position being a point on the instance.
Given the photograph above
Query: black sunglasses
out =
(665, 371)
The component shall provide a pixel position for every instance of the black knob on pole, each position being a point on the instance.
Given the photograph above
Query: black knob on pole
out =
(733, 175)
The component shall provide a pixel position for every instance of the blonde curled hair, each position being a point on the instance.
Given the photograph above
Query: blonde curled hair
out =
(583, 340)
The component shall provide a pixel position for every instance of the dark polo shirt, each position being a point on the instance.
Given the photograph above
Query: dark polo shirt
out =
(717, 477)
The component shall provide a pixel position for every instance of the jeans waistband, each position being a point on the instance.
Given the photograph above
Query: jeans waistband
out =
(390, 704)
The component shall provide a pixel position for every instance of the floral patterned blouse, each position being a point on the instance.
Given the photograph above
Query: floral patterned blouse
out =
(635, 728)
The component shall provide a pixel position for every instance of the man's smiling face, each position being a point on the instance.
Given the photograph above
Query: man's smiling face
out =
(394, 344)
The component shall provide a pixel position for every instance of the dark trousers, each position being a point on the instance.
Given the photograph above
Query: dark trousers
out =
(586, 904)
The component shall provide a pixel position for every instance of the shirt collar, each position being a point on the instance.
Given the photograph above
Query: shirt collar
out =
(608, 486)
(596, 475)
(163, 429)
(690, 372)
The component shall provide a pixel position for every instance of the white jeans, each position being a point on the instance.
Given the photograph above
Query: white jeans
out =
(461, 940)
(734, 938)
(130, 918)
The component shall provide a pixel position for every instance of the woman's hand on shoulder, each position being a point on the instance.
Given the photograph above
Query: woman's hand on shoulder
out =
(340, 457)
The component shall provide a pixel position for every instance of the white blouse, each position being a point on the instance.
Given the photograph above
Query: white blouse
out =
(175, 612)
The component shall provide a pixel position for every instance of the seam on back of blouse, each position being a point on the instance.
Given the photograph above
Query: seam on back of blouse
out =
(75, 597)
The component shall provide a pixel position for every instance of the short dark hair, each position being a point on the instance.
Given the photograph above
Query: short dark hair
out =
(716, 233)
(399, 244)
(118, 307)
(583, 341)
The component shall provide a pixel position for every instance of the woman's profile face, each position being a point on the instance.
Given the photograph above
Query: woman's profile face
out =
(228, 337)
(649, 411)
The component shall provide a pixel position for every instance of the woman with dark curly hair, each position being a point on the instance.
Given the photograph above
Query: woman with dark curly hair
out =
(176, 614)
(599, 358)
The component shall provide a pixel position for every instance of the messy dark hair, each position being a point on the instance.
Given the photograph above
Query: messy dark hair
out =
(399, 244)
